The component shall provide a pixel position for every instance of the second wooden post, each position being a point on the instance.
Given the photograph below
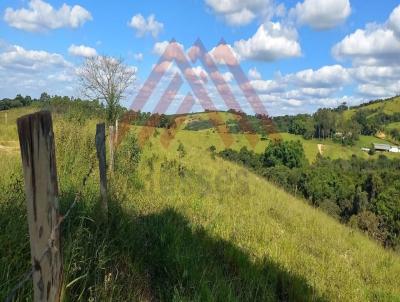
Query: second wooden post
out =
(101, 155)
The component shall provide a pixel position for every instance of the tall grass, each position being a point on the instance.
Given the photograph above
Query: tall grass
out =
(189, 228)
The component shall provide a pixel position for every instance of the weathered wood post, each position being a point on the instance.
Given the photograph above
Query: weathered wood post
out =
(116, 130)
(112, 141)
(101, 155)
(41, 189)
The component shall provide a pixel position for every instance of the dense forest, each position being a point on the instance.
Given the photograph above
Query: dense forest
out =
(362, 193)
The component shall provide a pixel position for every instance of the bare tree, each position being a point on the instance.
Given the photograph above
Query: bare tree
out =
(106, 78)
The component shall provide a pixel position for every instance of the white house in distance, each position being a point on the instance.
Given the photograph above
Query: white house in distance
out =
(386, 148)
(394, 149)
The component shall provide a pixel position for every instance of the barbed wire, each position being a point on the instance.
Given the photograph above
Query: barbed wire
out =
(50, 244)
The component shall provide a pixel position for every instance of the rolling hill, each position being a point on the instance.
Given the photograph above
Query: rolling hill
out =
(188, 228)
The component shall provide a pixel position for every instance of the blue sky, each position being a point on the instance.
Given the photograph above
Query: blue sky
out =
(299, 54)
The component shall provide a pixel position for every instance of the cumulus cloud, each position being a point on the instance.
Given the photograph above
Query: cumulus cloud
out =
(41, 16)
(306, 89)
(224, 54)
(394, 21)
(381, 91)
(375, 45)
(82, 51)
(254, 74)
(374, 52)
(377, 81)
(34, 71)
(325, 77)
(370, 46)
(146, 26)
(17, 58)
(321, 14)
(311, 93)
(159, 49)
(242, 12)
(268, 86)
(272, 41)
(375, 74)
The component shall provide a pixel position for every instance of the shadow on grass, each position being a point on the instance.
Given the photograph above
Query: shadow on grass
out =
(157, 257)
(183, 263)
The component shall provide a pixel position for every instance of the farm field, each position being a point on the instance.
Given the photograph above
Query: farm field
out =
(189, 227)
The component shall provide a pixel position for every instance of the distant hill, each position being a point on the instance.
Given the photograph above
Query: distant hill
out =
(388, 106)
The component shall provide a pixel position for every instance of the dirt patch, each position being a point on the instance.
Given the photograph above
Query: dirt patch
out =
(380, 135)
(321, 148)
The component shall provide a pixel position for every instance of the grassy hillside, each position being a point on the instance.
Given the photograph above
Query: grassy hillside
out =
(188, 229)
(388, 106)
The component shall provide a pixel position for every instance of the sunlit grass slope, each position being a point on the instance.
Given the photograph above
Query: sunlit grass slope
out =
(270, 225)
(190, 228)
(389, 106)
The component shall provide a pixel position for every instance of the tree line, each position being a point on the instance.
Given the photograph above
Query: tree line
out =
(329, 123)
(362, 193)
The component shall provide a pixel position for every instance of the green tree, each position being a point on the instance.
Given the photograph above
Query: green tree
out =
(287, 153)
(325, 123)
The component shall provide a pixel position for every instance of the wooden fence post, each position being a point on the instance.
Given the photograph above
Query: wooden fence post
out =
(116, 131)
(41, 189)
(112, 145)
(101, 155)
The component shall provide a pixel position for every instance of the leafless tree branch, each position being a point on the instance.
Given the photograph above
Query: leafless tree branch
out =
(106, 78)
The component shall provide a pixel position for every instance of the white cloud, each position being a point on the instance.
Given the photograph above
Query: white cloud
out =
(17, 58)
(268, 86)
(82, 51)
(321, 14)
(272, 41)
(294, 102)
(394, 21)
(34, 71)
(224, 54)
(138, 56)
(160, 47)
(311, 93)
(303, 91)
(144, 27)
(41, 16)
(374, 52)
(375, 45)
(371, 46)
(325, 77)
(242, 12)
(377, 81)
(254, 74)
(375, 74)
(197, 71)
(227, 76)
(381, 91)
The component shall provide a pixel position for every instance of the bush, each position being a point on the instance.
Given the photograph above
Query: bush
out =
(181, 150)
(127, 155)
